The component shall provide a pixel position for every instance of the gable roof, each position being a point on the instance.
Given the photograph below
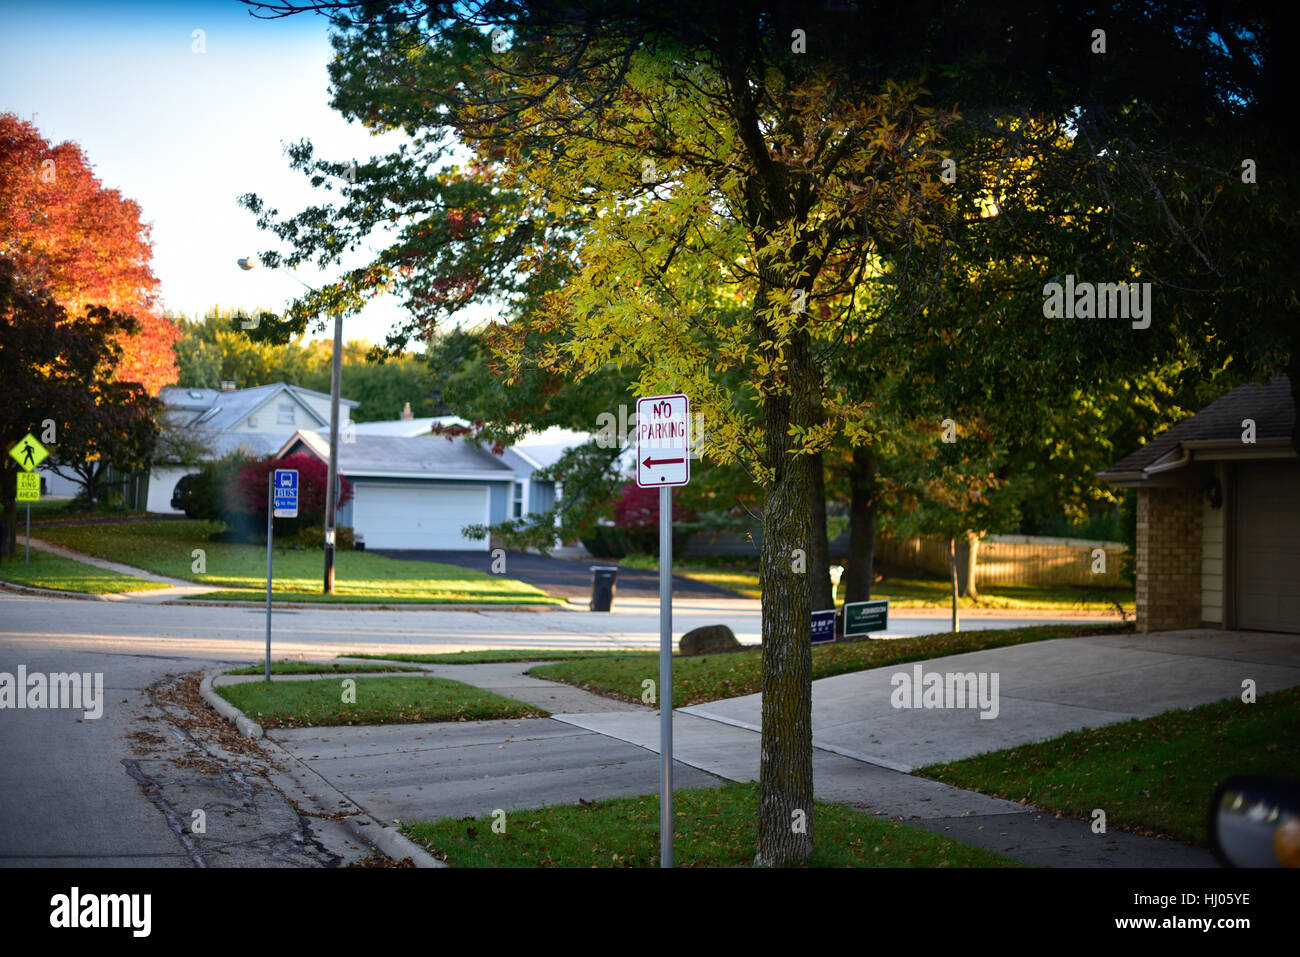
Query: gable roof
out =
(402, 456)
(402, 426)
(1215, 432)
(219, 411)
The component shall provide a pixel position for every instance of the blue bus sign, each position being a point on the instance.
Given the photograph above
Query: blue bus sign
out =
(286, 493)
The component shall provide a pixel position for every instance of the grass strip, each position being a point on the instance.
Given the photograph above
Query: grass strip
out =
(713, 827)
(711, 677)
(502, 655)
(239, 571)
(396, 700)
(1151, 775)
(66, 574)
(311, 668)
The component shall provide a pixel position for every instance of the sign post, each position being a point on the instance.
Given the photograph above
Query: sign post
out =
(29, 453)
(663, 460)
(281, 502)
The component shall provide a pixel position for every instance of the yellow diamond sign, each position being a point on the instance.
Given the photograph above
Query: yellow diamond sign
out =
(28, 452)
(29, 487)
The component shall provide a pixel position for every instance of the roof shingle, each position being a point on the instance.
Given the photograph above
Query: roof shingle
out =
(1271, 406)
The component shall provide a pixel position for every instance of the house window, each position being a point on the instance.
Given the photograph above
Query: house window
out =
(519, 500)
(252, 421)
(286, 414)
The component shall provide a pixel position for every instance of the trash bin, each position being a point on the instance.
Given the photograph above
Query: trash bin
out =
(602, 586)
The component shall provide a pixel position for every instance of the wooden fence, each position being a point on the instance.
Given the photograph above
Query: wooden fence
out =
(1000, 559)
(1016, 560)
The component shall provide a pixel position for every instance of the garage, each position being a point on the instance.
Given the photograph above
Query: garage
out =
(419, 516)
(1218, 515)
(1268, 547)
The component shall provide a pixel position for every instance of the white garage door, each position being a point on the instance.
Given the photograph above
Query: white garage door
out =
(1268, 548)
(413, 516)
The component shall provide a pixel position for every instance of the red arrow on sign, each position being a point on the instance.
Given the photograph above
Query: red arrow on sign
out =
(651, 463)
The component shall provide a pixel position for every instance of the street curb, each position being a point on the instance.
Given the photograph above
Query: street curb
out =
(247, 727)
(52, 592)
(389, 840)
(348, 606)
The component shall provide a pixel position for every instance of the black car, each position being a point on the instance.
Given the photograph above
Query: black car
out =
(180, 494)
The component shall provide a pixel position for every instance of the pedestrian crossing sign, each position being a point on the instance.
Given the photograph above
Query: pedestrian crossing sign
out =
(29, 487)
(29, 453)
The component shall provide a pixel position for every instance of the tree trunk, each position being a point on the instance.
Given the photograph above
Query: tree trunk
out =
(91, 477)
(952, 569)
(967, 559)
(785, 804)
(1293, 373)
(862, 527)
(819, 546)
(10, 510)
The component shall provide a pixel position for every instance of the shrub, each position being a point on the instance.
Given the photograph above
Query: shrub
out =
(637, 513)
(246, 497)
(313, 537)
(606, 541)
(205, 497)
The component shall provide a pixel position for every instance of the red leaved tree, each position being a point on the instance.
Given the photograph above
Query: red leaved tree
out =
(64, 232)
(637, 513)
(247, 495)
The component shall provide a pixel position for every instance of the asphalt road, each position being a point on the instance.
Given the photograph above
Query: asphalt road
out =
(567, 577)
(118, 790)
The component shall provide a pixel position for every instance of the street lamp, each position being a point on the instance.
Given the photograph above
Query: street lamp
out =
(336, 376)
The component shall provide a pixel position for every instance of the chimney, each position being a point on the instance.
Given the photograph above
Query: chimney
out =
(227, 385)
(407, 414)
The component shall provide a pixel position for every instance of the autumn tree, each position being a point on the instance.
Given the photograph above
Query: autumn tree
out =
(698, 158)
(63, 229)
(55, 370)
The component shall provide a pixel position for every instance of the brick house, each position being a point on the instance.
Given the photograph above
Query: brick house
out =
(1218, 517)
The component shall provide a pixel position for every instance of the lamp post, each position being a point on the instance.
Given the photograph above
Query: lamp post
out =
(336, 377)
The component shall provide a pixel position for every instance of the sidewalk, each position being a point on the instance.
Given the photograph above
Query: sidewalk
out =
(603, 749)
(179, 589)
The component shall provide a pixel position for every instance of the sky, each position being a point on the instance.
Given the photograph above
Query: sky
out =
(184, 123)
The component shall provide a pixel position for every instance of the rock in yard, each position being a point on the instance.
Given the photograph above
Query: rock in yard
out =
(710, 638)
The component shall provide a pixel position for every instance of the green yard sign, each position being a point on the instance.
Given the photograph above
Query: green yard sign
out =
(864, 617)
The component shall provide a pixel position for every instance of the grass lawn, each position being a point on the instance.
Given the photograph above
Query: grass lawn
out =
(741, 578)
(239, 571)
(62, 510)
(310, 668)
(53, 571)
(714, 827)
(1154, 775)
(397, 700)
(490, 657)
(710, 677)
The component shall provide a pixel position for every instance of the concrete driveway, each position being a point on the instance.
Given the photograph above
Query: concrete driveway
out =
(566, 577)
(1044, 689)
(863, 744)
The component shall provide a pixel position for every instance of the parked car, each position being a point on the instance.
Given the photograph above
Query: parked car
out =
(180, 494)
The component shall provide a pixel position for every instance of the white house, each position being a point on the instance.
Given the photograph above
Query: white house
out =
(258, 420)
(414, 489)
